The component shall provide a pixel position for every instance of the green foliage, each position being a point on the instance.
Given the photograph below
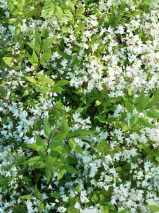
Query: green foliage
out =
(68, 128)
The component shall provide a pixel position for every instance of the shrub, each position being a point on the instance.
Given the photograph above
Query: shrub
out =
(79, 106)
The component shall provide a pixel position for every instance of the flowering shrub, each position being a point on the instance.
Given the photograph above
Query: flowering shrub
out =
(79, 106)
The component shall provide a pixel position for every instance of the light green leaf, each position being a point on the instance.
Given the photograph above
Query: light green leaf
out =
(153, 208)
(30, 13)
(133, 119)
(36, 160)
(58, 164)
(74, 146)
(8, 61)
(58, 89)
(151, 104)
(48, 174)
(59, 137)
(129, 106)
(40, 141)
(125, 127)
(47, 128)
(34, 47)
(47, 42)
(30, 79)
(37, 37)
(60, 174)
(41, 207)
(145, 123)
(71, 169)
(27, 197)
(62, 83)
(45, 79)
(64, 125)
(58, 12)
(49, 163)
(45, 56)
(37, 193)
(135, 128)
(135, 13)
(142, 101)
(123, 211)
(79, 12)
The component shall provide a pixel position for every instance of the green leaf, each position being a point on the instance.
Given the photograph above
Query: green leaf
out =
(49, 163)
(34, 47)
(125, 127)
(30, 79)
(137, 12)
(62, 83)
(41, 207)
(48, 175)
(153, 208)
(153, 114)
(123, 211)
(135, 128)
(64, 125)
(27, 197)
(19, 209)
(30, 13)
(129, 106)
(45, 56)
(58, 164)
(36, 160)
(145, 123)
(57, 140)
(39, 149)
(74, 146)
(58, 89)
(60, 174)
(133, 119)
(33, 59)
(47, 128)
(142, 101)
(79, 12)
(156, 96)
(8, 61)
(71, 169)
(58, 12)
(45, 79)
(151, 104)
(40, 141)
(47, 42)
(37, 37)
(37, 193)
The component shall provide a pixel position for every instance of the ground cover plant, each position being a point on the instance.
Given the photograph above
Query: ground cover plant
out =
(79, 103)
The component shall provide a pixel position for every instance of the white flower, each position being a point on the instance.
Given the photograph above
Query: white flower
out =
(77, 205)
(61, 209)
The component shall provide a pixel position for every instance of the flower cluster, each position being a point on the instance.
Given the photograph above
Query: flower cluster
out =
(79, 106)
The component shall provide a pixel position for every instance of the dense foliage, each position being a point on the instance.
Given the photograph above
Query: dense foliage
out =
(79, 106)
